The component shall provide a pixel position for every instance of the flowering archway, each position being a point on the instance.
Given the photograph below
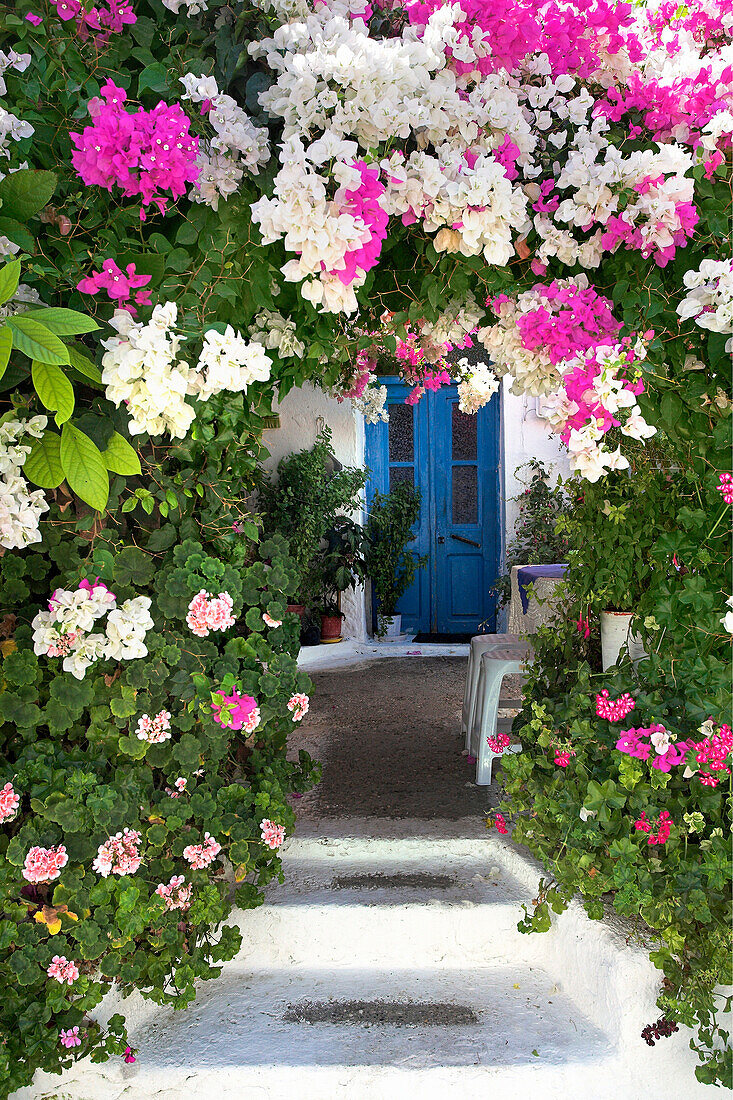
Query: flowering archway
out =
(255, 195)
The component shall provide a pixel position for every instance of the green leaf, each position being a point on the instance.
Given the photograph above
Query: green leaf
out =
(84, 467)
(36, 341)
(54, 389)
(17, 233)
(83, 364)
(26, 192)
(153, 77)
(9, 277)
(6, 346)
(64, 322)
(120, 457)
(43, 465)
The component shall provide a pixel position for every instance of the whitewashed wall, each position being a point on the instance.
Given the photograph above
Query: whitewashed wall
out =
(524, 436)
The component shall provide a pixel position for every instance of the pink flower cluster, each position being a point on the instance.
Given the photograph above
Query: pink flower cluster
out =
(363, 202)
(580, 385)
(119, 855)
(119, 285)
(298, 705)
(569, 320)
(272, 835)
(70, 1038)
(110, 17)
(498, 743)
(207, 612)
(576, 37)
(9, 803)
(269, 621)
(235, 711)
(642, 743)
(663, 827)
(44, 864)
(154, 730)
(63, 969)
(201, 855)
(176, 894)
(726, 487)
(500, 823)
(682, 218)
(145, 153)
(614, 710)
(714, 752)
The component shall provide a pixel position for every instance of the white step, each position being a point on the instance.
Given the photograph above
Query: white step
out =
(556, 1015)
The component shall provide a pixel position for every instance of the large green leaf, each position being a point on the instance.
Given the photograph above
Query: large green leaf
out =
(120, 457)
(25, 192)
(84, 364)
(54, 389)
(9, 278)
(84, 467)
(36, 340)
(43, 465)
(6, 346)
(64, 322)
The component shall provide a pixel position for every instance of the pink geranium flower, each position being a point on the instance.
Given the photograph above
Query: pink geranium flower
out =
(119, 855)
(500, 823)
(614, 710)
(44, 864)
(201, 855)
(207, 613)
(177, 894)
(154, 730)
(70, 1038)
(272, 835)
(9, 803)
(235, 711)
(269, 621)
(298, 705)
(498, 743)
(63, 969)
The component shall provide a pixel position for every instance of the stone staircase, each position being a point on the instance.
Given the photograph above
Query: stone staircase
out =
(390, 967)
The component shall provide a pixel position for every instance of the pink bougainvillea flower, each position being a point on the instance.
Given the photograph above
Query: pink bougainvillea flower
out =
(269, 621)
(44, 864)
(70, 1038)
(201, 855)
(207, 613)
(119, 855)
(613, 710)
(498, 743)
(154, 730)
(34, 19)
(500, 823)
(119, 285)
(63, 969)
(9, 803)
(298, 705)
(272, 835)
(235, 711)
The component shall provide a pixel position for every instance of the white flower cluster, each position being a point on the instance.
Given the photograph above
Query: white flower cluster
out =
(455, 323)
(12, 127)
(237, 146)
(709, 298)
(276, 333)
(230, 363)
(20, 509)
(140, 368)
(372, 402)
(477, 386)
(191, 7)
(12, 60)
(66, 629)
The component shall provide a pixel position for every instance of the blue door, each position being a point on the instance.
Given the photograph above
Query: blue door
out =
(453, 459)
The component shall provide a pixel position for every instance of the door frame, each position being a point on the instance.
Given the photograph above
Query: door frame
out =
(377, 463)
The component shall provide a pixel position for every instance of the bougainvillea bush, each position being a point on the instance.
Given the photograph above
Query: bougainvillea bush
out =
(243, 196)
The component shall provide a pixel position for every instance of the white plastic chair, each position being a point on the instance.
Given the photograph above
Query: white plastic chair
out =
(480, 644)
(494, 665)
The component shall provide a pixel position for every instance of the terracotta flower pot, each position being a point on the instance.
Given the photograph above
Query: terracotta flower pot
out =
(331, 628)
(297, 609)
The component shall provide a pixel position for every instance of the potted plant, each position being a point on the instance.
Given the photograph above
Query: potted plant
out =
(341, 566)
(302, 502)
(390, 565)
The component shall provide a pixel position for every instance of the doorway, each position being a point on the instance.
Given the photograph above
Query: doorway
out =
(453, 459)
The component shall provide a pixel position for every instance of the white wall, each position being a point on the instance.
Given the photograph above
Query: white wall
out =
(524, 436)
(299, 413)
